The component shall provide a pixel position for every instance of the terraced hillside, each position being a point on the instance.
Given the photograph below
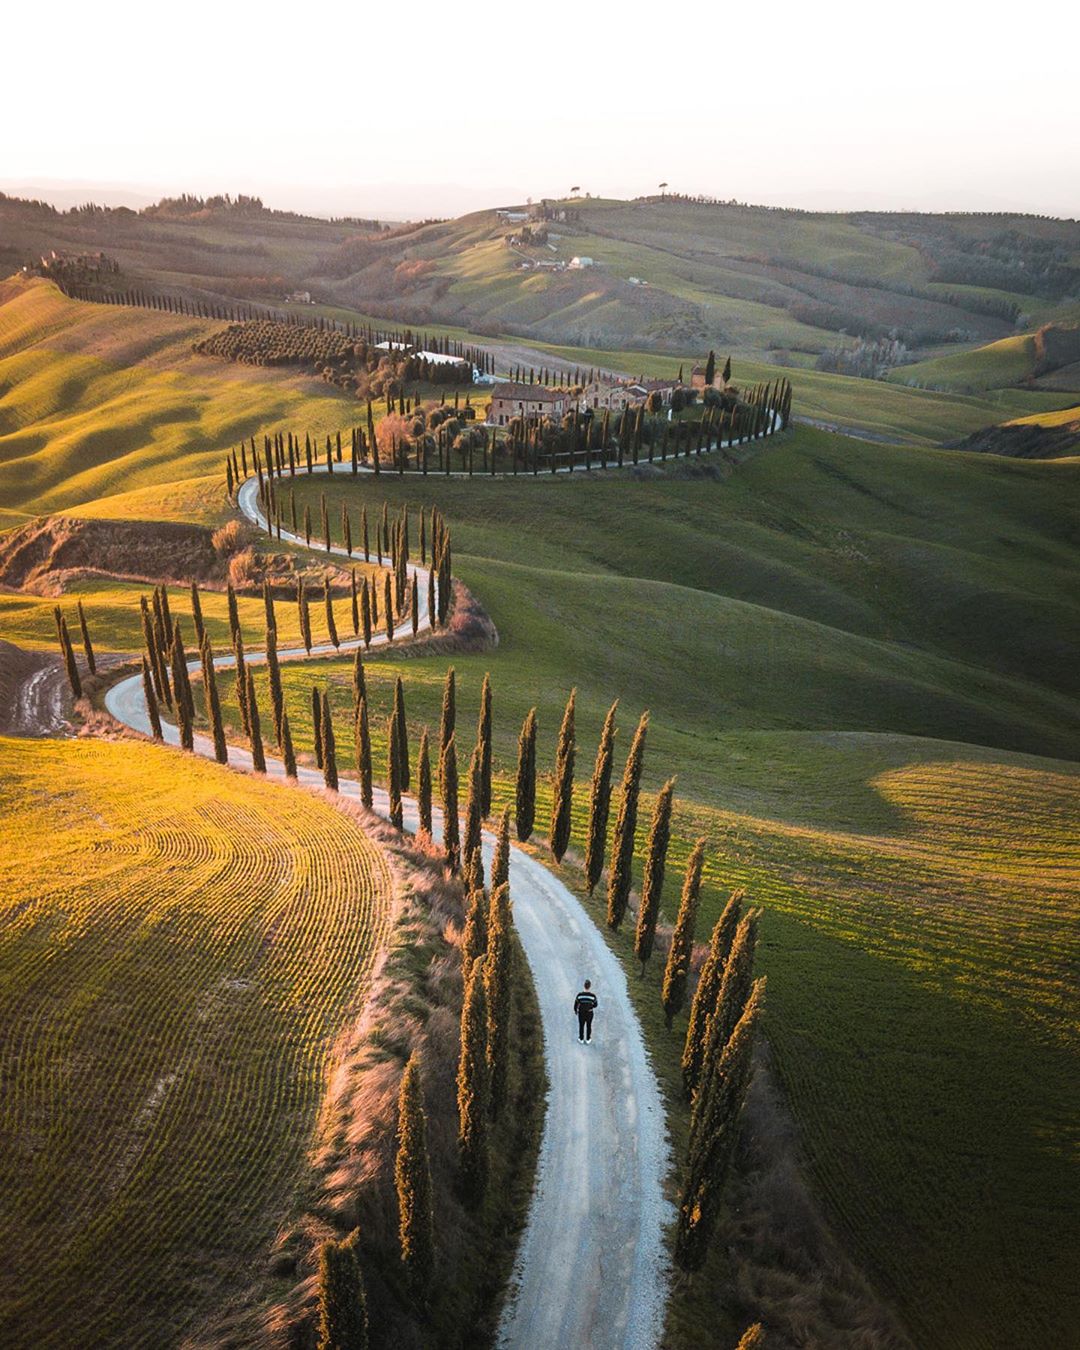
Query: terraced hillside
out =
(179, 948)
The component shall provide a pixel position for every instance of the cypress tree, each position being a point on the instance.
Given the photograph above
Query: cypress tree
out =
(258, 759)
(393, 772)
(707, 993)
(197, 614)
(287, 755)
(149, 639)
(472, 1087)
(91, 664)
(735, 988)
(151, 701)
(68, 654)
(497, 979)
(331, 626)
(359, 682)
(563, 791)
(620, 877)
(185, 701)
(500, 863)
(710, 369)
(483, 737)
(472, 804)
(448, 717)
(525, 795)
(474, 939)
(652, 884)
(316, 725)
(241, 683)
(329, 750)
(213, 704)
(277, 699)
(402, 732)
(355, 598)
(412, 1181)
(713, 1135)
(423, 791)
(448, 780)
(305, 614)
(234, 613)
(268, 605)
(600, 802)
(388, 608)
(365, 614)
(363, 753)
(677, 969)
(364, 533)
(374, 604)
(414, 605)
(431, 597)
(343, 1323)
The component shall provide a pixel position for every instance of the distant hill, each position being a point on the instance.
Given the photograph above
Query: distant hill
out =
(662, 275)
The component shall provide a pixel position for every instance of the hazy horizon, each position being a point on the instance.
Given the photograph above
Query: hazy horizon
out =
(834, 108)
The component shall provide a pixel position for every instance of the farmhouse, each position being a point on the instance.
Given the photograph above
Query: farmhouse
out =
(580, 261)
(509, 400)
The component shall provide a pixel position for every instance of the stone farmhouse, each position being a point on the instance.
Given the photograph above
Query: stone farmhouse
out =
(510, 400)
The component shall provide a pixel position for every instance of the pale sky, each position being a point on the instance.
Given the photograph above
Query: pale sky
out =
(389, 108)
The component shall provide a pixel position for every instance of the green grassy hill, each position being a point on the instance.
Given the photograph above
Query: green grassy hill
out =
(859, 662)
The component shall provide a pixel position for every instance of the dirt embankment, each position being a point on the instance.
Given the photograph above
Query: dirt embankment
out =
(1025, 440)
(51, 554)
(33, 693)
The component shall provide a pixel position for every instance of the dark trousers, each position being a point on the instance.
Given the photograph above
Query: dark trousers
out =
(584, 1025)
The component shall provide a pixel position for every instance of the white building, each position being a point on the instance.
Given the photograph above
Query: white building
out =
(581, 262)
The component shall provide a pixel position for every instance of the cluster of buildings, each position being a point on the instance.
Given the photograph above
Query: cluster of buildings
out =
(510, 399)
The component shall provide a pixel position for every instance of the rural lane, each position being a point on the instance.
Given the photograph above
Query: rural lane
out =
(591, 1267)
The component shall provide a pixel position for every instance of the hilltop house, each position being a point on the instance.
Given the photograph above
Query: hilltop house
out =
(510, 400)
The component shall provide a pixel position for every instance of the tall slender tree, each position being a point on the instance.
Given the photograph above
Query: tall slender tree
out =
(472, 1087)
(329, 750)
(68, 653)
(423, 789)
(287, 755)
(600, 802)
(652, 884)
(483, 738)
(562, 803)
(363, 754)
(402, 731)
(359, 682)
(343, 1323)
(213, 703)
(316, 725)
(91, 664)
(331, 625)
(448, 780)
(525, 794)
(365, 614)
(151, 701)
(185, 700)
(499, 992)
(393, 772)
(681, 951)
(258, 758)
(620, 877)
(197, 615)
(707, 993)
(473, 794)
(240, 668)
(500, 864)
(412, 1181)
(713, 1135)
(388, 607)
(474, 939)
(448, 718)
(273, 670)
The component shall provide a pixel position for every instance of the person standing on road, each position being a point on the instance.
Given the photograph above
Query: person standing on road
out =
(585, 1006)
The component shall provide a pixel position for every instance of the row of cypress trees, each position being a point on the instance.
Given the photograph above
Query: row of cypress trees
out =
(67, 649)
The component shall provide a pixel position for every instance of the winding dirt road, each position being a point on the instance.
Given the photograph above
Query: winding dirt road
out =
(591, 1268)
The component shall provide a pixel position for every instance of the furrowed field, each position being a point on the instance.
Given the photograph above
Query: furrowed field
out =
(179, 948)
